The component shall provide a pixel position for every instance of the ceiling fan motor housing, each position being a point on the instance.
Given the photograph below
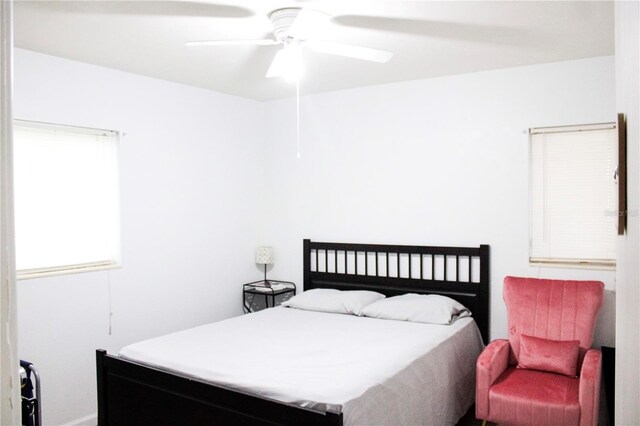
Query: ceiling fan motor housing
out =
(282, 20)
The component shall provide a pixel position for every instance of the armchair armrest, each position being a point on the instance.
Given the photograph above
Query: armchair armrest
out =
(589, 387)
(492, 362)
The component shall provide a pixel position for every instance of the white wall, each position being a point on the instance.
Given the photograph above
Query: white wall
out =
(628, 289)
(441, 161)
(191, 168)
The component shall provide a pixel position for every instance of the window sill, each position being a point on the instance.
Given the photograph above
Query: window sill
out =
(568, 264)
(27, 274)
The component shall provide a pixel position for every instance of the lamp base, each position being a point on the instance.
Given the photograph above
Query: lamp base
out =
(266, 283)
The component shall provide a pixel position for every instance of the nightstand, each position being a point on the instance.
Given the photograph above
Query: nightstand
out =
(257, 295)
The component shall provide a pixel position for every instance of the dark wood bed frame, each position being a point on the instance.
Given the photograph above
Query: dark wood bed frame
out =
(132, 393)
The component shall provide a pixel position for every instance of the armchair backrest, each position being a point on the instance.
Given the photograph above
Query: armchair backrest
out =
(552, 309)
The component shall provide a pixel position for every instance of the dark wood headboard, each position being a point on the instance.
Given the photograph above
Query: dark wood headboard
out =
(461, 273)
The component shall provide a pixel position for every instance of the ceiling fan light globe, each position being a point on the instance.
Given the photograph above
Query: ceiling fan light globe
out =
(293, 64)
(293, 76)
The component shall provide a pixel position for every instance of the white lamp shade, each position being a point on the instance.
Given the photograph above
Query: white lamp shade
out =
(264, 255)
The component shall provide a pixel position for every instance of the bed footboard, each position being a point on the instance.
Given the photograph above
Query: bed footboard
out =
(130, 393)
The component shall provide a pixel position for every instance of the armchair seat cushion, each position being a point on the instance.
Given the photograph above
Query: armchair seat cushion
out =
(529, 397)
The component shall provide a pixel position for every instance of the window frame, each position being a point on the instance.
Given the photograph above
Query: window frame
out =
(114, 261)
(574, 263)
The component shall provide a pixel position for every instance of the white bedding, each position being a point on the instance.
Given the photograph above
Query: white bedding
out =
(374, 371)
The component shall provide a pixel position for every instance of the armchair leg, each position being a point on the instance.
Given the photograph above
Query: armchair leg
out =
(484, 423)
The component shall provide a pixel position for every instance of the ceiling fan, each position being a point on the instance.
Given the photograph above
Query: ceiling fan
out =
(294, 27)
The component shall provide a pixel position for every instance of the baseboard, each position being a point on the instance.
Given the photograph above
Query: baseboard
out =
(90, 420)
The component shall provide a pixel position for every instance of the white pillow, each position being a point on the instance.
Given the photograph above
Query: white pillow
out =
(425, 308)
(332, 300)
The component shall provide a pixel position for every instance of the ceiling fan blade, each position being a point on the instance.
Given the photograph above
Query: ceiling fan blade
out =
(263, 42)
(478, 33)
(350, 51)
(144, 8)
(278, 66)
(307, 23)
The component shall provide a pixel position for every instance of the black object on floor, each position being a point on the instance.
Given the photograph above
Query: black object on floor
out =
(30, 394)
(609, 379)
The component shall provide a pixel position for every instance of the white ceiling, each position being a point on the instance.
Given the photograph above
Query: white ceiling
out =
(428, 38)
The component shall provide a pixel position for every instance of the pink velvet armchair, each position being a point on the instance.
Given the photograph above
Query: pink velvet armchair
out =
(546, 373)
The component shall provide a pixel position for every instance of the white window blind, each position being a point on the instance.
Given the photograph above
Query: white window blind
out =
(67, 212)
(573, 195)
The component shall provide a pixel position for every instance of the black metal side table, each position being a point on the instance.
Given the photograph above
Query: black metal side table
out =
(262, 294)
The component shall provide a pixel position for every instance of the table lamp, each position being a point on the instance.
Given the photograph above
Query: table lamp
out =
(264, 256)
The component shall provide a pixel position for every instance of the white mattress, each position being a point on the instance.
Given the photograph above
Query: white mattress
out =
(374, 371)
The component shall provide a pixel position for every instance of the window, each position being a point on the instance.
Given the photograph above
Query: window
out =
(573, 195)
(67, 211)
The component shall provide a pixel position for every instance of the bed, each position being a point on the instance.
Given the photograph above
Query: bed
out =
(140, 387)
